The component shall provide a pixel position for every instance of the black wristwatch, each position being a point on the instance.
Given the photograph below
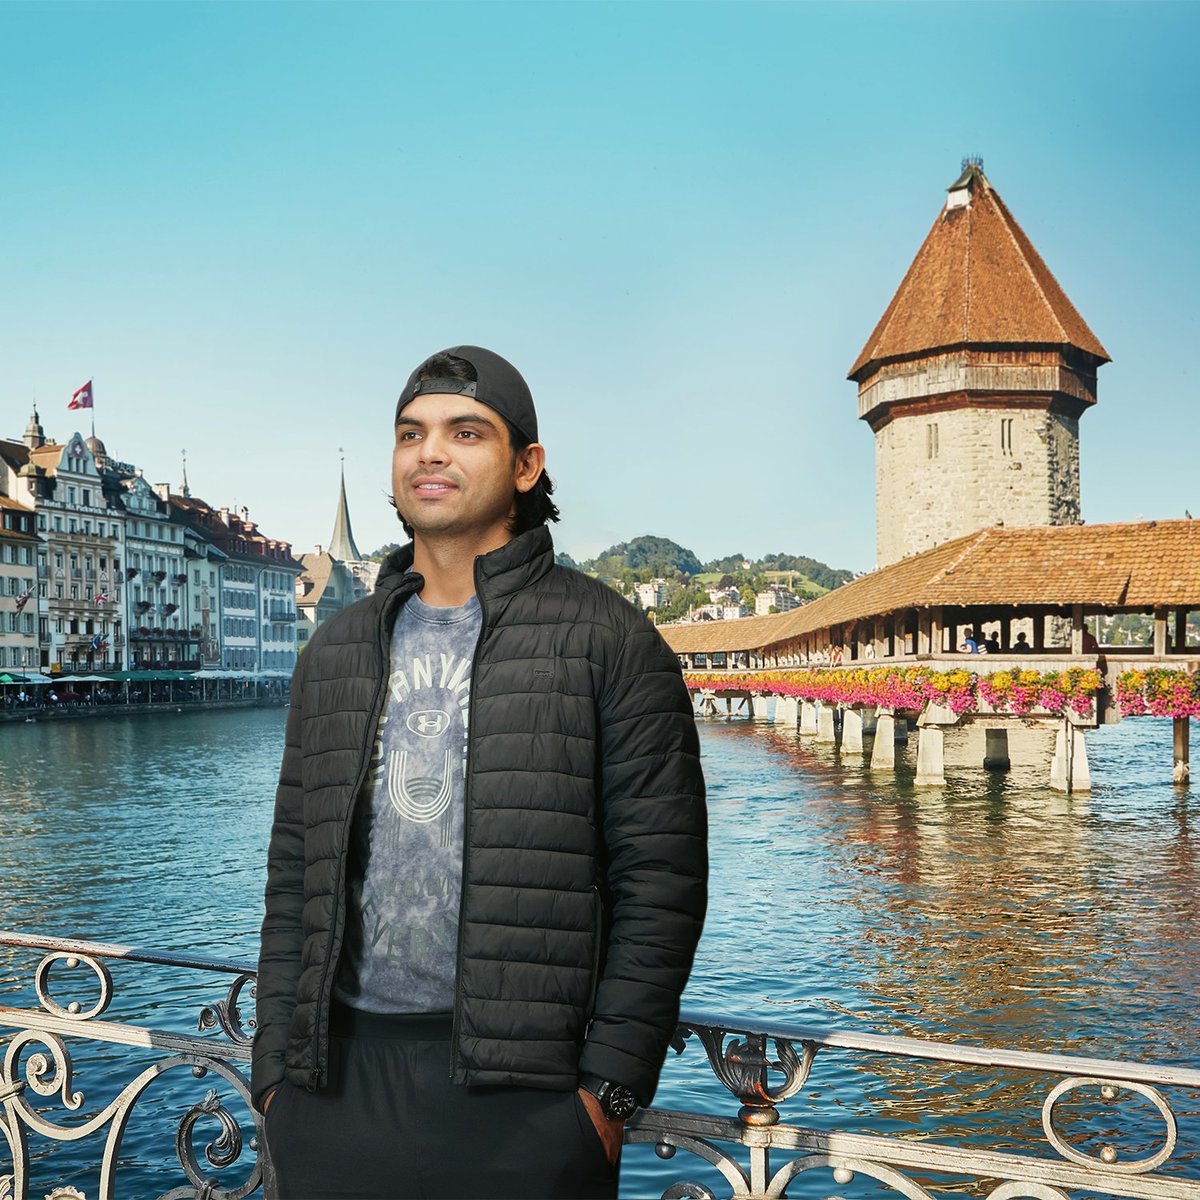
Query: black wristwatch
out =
(617, 1101)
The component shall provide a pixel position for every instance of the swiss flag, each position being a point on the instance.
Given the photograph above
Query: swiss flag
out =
(83, 397)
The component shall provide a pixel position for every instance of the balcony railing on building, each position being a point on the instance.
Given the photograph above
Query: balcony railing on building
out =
(1099, 1127)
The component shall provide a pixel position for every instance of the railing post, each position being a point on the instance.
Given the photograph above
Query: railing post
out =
(1183, 769)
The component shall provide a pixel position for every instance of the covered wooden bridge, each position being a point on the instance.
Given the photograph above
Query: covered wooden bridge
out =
(1032, 590)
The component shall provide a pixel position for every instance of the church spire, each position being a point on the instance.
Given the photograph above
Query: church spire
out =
(35, 435)
(341, 544)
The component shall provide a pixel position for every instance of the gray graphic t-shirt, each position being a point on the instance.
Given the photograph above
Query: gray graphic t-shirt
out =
(405, 873)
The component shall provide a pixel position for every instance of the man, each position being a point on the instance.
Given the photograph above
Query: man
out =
(486, 877)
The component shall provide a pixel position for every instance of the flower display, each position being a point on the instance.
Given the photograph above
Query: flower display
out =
(1159, 692)
(913, 688)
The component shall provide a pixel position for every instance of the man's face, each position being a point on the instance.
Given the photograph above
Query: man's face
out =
(453, 469)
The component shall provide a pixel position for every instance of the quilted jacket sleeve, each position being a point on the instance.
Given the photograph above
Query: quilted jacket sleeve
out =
(655, 834)
(282, 935)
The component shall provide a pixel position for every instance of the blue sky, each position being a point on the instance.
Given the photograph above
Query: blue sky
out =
(248, 222)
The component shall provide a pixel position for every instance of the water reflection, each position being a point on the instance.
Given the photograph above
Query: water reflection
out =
(992, 911)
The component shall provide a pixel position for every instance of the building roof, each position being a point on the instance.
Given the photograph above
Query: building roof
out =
(16, 454)
(977, 280)
(1131, 565)
(47, 456)
(236, 536)
(316, 573)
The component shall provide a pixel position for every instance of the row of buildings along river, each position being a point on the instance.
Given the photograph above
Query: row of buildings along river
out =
(102, 571)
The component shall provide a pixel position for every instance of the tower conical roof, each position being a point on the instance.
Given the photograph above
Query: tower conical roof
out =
(977, 280)
(341, 544)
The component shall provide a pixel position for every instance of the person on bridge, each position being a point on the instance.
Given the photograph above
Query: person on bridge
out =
(488, 866)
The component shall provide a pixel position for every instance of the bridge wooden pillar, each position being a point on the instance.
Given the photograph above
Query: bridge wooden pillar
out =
(931, 756)
(1160, 632)
(1180, 630)
(1183, 770)
(1077, 628)
(995, 752)
(883, 750)
(825, 729)
(1039, 630)
(1069, 767)
(852, 731)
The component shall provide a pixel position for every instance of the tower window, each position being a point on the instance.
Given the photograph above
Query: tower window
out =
(931, 441)
(1006, 436)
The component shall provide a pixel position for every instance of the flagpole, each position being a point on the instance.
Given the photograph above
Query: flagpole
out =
(93, 391)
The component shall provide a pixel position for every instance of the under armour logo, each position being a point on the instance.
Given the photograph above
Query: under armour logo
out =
(430, 722)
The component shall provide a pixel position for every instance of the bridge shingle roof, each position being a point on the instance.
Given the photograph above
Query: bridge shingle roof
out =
(1143, 564)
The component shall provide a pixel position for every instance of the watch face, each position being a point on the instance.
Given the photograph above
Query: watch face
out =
(620, 1103)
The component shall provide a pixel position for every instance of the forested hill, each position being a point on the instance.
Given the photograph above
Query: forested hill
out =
(652, 557)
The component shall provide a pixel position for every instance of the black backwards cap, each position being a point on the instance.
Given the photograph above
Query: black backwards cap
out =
(498, 384)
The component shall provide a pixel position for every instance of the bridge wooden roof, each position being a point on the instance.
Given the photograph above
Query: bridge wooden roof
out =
(977, 280)
(1132, 565)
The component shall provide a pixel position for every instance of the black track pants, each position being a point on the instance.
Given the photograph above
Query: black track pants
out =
(390, 1124)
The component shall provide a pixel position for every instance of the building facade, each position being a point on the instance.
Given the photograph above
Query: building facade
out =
(159, 636)
(81, 585)
(18, 588)
(254, 606)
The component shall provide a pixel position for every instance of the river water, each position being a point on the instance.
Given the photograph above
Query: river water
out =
(991, 912)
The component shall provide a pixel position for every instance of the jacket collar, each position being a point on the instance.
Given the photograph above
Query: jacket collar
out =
(501, 573)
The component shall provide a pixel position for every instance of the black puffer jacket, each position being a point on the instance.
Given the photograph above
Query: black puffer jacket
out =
(584, 881)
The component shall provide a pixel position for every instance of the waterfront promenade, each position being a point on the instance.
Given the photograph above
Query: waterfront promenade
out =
(855, 913)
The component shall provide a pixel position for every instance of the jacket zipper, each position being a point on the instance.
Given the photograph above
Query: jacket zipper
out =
(462, 896)
(598, 919)
(316, 1075)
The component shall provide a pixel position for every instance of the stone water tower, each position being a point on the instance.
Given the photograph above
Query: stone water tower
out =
(974, 381)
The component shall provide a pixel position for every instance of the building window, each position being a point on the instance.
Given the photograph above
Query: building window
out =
(931, 441)
(87, 498)
(1006, 436)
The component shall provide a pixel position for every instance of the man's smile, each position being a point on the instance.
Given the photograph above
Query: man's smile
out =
(429, 486)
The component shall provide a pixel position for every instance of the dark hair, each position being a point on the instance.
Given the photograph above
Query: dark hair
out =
(532, 508)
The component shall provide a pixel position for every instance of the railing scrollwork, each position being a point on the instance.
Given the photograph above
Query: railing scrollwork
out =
(753, 1155)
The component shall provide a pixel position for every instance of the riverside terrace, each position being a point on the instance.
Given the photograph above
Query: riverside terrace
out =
(889, 644)
(75, 1077)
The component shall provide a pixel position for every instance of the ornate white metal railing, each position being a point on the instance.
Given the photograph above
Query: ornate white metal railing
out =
(753, 1154)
